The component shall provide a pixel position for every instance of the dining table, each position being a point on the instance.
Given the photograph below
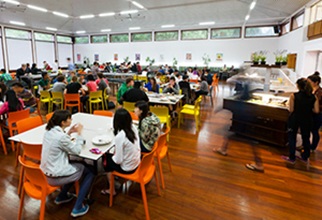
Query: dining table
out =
(164, 99)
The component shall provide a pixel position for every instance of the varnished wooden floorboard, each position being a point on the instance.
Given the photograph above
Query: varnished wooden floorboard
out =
(203, 184)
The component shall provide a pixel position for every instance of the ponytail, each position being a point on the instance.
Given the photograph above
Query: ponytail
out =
(304, 86)
(58, 117)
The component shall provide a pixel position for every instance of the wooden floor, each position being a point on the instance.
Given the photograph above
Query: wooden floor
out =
(203, 184)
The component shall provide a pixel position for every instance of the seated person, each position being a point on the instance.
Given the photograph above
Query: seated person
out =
(12, 103)
(152, 85)
(74, 87)
(5, 77)
(34, 70)
(44, 83)
(158, 78)
(60, 85)
(135, 94)
(127, 154)
(3, 90)
(91, 85)
(71, 74)
(185, 87)
(101, 82)
(203, 90)
(21, 71)
(27, 97)
(172, 87)
(128, 84)
(149, 126)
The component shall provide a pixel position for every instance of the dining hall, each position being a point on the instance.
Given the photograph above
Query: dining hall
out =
(145, 109)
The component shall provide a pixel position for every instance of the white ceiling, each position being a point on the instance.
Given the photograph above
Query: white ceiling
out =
(185, 14)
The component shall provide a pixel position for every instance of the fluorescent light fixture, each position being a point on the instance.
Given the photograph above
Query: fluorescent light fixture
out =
(18, 23)
(134, 28)
(247, 17)
(167, 26)
(86, 16)
(51, 29)
(107, 14)
(129, 12)
(252, 6)
(80, 32)
(207, 23)
(12, 2)
(105, 30)
(137, 4)
(37, 8)
(60, 14)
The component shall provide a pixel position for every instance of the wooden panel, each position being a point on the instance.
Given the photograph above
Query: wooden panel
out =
(310, 31)
(291, 61)
(317, 28)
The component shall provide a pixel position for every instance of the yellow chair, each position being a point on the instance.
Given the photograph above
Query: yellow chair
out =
(106, 98)
(143, 78)
(95, 98)
(195, 112)
(45, 97)
(163, 114)
(57, 98)
(189, 106)
(130, 106)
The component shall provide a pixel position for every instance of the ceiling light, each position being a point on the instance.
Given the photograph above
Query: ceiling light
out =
(134, 28)
(167, 26)
(60, 14)
(86, 16)
(37, 8)
(107, 14)
(137, 4)
(105, 30)
(51, 29)
(12, 2)
(247, 17)
(80, 32)
(128, 12)
(252, 6)
(207, 23)
(17, 23)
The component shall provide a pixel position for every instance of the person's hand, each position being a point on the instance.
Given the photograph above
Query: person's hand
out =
(72, 129)
(79, 128)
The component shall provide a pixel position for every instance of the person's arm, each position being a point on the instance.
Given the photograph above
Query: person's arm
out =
(291, 103)
(176, 89)
(316, 108)
(73, 147)
(118, 154)
(145, 132)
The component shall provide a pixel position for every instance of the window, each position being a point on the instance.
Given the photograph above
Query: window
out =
(118, 38)
(225, 33)
(261, 31)
(82, 40)
(18, 34)
(141, 37)
(194, 35)
(286, 28)
(298, 21)
(64, 39)
(166, 36)
(99, 39)
(44, 37)
(316, 12)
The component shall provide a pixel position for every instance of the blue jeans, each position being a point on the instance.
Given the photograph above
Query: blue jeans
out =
(317, 121)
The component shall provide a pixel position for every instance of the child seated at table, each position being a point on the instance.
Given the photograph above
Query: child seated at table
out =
(152, 85)
(127, 153)
(56, 147)
(12, 103)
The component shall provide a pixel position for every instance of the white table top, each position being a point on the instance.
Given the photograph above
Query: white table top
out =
(164, 99)
(118, 74)
(94, 125)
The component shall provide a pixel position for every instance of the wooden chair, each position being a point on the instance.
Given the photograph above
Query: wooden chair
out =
(103, 113)
(72, 100)
(142, 175)
(95, 98)
(45, 97)
(57, 99)
(35, 185)
(161, 152)
(195, 112)
(130, 106)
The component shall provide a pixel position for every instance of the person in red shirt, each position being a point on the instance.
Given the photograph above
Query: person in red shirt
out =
(46, 66)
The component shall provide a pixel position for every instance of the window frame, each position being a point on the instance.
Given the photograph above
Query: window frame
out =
(284, 25)
(110, 38)
(155, 35)
(259, 26)
(53, 36)
(98, 35)
(204, 29)
(225, 28)
(301, 13)
(59, 42)
(17, 38)
(131, 34)
(82, 37)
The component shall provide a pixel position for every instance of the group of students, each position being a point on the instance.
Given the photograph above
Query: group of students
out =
(129, 143)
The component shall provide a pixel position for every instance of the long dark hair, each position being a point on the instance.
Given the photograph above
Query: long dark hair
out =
(144, 107)
(154, 85)
(58, 117)
(304, 86)
(123, 121)
(3, 88)
(13, 101)
(315, 78)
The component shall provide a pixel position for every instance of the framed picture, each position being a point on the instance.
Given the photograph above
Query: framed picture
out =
(96, 57)
(78, 57)
(219, 56)
(116, 57)
(188, 56)
(137, 57)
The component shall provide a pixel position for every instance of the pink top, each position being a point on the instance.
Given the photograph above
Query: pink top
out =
(5, 107)
(92, 87)
(98, 81)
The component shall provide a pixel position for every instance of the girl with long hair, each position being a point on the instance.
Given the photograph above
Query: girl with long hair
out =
(12, 103)
(152, 85)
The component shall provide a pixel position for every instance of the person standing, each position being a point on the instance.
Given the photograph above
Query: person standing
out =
(301, 106)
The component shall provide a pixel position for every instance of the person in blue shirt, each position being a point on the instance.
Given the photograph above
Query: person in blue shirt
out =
(71, 66)
(152, 85)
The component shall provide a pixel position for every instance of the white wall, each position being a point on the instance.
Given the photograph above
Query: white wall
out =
(19, 52)
(45, 51)
(235, 51)
(64, 51)
(1, 56)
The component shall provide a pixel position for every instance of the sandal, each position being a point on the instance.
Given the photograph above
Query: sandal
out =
(106, 192)
(253, 167)
(219, 151)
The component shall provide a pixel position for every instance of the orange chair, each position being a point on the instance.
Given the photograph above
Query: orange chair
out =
(215, 83)
(161, 152)
(4, 146)
(72, 100)
(142, 175)
(103, 113)
(193, 80)
(48, 116)
(25, 125)
(134, 116)
(13, 117)
(36, 186)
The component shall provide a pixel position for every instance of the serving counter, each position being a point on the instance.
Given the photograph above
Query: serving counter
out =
(263, 117)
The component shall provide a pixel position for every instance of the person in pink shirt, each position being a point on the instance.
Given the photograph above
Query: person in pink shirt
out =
(12, 103)
(91, 85)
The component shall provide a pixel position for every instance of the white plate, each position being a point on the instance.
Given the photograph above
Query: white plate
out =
(101, 140)
(163, 99)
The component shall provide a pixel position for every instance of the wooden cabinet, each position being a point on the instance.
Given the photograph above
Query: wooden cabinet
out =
(315, 30)
(261, 122)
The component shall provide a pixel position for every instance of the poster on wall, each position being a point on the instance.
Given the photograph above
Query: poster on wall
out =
(137, 57)
(219, 56)
(78, 57)
(116, 57)
(188, 56)
(96, 57)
